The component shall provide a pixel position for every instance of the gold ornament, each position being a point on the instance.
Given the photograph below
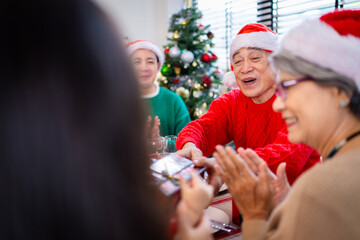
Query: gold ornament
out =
(204, 105)
(177, 70)
(176, 35)
(194, 64)
(182, 92)
(184, 22)
(197, 86)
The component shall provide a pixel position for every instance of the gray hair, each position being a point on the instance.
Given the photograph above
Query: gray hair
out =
(287, 62)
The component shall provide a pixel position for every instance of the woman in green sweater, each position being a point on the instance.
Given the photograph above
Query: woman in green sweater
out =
(166, 108)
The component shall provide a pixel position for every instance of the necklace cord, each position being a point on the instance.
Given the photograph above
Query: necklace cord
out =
(341, 144)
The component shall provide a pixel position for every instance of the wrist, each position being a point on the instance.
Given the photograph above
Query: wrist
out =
(255, 216)
(189, 145)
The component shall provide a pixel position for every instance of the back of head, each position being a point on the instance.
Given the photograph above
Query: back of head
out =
(327, 50)
(72, 156)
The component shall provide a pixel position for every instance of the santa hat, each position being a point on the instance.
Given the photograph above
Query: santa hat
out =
(331, 42)
(143, 44)
(251, 35)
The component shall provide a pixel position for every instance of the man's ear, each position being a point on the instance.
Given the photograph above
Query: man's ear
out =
(159, 66)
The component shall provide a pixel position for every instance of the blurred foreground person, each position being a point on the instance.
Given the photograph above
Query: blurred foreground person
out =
(318, 97)
(72, 145)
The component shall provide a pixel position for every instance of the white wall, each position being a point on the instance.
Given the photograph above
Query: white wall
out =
(142, 19)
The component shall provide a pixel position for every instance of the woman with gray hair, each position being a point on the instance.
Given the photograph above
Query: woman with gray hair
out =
(319, 99)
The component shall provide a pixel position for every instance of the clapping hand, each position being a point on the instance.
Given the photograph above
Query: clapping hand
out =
(152, 131)
(279, 182)
(252, 193)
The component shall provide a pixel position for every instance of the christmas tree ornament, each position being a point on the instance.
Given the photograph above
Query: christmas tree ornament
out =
(201, 28)
(206, 81)
(219, 74)
(166, 51)
(197, 113)
(210, 35)
(176, 35)
(214, 57)
(166, 70)
(189, 81)
(176, 80)
(187, 56)
(194, 64)
(206, 57)
(197, 94)
(211, 94)
(182, 92)
(197, 86)
(174, 52)
(177, 70)
(184, 22)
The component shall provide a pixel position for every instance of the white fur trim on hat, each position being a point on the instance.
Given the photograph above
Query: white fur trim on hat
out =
(229, 80)
(143, 44)
(263, 40)
(317, 42)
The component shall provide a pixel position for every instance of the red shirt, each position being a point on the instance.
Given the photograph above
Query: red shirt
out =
(235, 117)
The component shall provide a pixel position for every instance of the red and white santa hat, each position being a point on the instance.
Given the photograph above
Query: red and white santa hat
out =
(144, 44)
(250, 35)
(331, 41)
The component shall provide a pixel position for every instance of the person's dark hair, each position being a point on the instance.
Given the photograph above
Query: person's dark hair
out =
(285, 61)
(73, 160)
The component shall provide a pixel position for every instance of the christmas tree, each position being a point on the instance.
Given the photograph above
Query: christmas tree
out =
(189, 69)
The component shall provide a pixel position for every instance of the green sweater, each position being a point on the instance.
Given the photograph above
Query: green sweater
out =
(170, 109)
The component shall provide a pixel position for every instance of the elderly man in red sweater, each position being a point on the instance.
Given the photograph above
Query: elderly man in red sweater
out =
(245, 115)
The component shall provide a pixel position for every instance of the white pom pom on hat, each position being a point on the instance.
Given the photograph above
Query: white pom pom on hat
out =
(144, 44)
(251, 35)
(331, 41)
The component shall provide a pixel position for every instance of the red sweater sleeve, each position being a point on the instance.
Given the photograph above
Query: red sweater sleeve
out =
(296, 156)
(209, 130)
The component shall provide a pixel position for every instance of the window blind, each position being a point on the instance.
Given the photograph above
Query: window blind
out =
(226, 17)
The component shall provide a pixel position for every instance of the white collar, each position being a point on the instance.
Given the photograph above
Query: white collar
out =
(153, 94)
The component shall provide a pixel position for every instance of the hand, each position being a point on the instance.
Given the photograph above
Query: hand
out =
(187, 231)
(252, 194)
(154, 131)
(279, 182)
(213, 178)
(196, 194)
(189, 150)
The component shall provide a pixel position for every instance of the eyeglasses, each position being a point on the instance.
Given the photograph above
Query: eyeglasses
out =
(282, 87)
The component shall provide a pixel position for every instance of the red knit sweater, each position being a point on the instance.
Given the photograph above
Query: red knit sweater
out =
(233, 116)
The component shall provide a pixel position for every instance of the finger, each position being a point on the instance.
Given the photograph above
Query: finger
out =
(281, 174)
(224, 162)
(264, 181)
(240, 167)
(196, 154)
(249, 162)
(219, 172)
(205, 162)
(252, 156)
(185, 152)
